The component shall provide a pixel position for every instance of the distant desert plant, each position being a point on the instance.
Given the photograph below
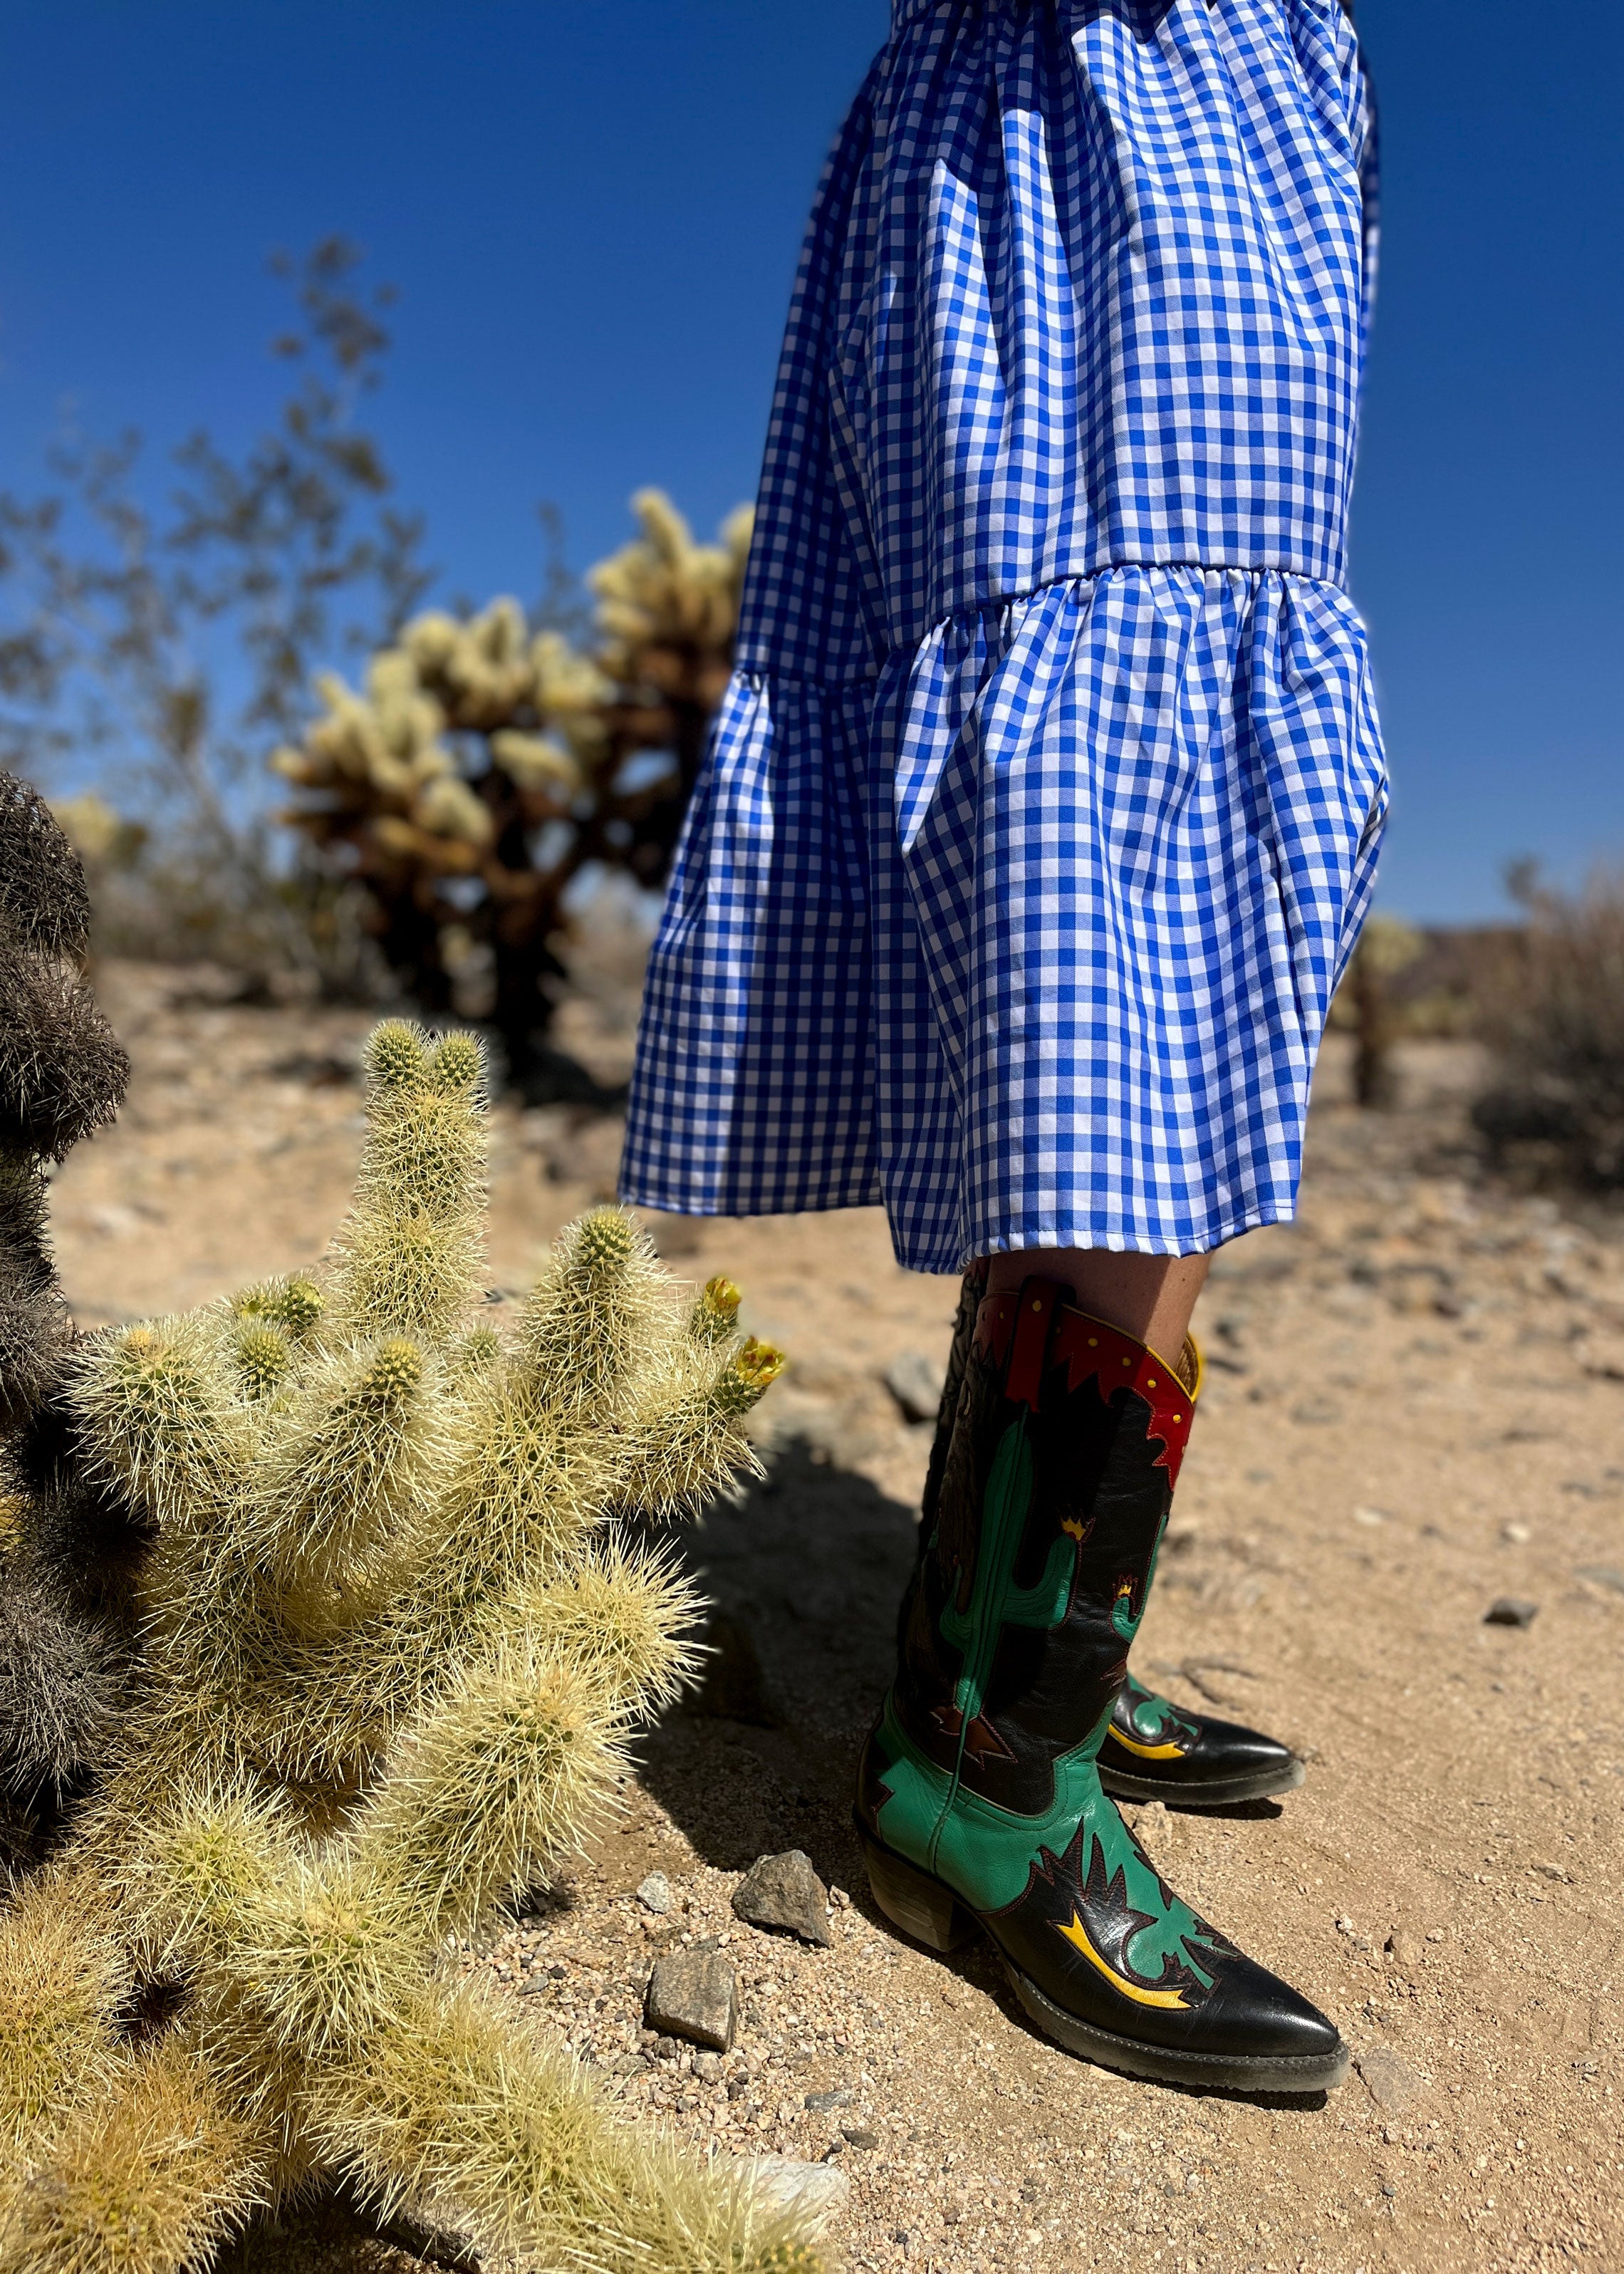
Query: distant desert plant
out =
(1366, 1002)
(486, 765)
(162, 636)
(1553, 1015)
(396, 1631)
(64, 1544)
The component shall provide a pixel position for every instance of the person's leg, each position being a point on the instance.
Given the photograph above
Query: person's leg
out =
(1149, 1297)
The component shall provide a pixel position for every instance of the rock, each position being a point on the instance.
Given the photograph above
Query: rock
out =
(783, 1891)
(916, 1384)
(655, 1892)
(1371, 1517)
(1509, 1611)
(1602, 1575)
(1516, 1535)
(854, 2136)
(707, 2068)
(732, 1687)
(821, 2103)
(820, 2190)
(1404, 1949)
(694, 1994)
(1390, 2081)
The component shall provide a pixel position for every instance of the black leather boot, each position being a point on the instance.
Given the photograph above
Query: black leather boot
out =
(979, 1799)
(1153, 1750)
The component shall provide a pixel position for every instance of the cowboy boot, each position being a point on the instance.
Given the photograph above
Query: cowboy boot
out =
(979, 1798)
(1153, 1750)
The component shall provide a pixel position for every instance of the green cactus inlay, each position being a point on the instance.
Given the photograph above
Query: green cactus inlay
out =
(996, 1601)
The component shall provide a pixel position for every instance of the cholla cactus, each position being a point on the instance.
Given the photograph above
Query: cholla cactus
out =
(483, 767)
(396, 1635)
(62, 1075)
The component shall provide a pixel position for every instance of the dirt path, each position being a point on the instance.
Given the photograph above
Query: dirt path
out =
(1417, 1406)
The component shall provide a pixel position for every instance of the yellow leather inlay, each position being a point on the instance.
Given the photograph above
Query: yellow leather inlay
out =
(1076, 1935)
(1166, 1752)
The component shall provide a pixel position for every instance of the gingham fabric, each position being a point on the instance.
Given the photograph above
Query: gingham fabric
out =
(1041, 812)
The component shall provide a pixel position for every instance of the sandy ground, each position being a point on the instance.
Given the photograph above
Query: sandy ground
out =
(1417, 1406)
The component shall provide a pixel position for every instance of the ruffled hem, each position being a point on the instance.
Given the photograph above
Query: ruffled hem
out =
(1031, 937)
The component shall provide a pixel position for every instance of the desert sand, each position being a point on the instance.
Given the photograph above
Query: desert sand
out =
(1416, 1408)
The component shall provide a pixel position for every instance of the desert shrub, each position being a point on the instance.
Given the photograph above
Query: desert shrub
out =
(1553, 1015)
(162, 636)
(487, 767)
(1368, 1005)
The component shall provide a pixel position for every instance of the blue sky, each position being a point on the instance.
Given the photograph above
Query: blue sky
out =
(591, 208)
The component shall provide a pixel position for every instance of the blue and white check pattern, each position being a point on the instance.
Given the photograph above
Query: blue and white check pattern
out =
(1042, 810)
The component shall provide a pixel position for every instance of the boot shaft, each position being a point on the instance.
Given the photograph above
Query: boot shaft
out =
(1055, 1488)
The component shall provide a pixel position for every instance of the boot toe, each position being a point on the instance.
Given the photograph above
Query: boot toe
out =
(1227, 1749)
(1255, 2015)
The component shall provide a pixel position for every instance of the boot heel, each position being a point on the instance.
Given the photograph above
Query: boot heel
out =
(920, 1905)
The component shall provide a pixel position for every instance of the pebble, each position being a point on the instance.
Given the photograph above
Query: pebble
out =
(916, 1383)
(1510, 1611)
(1388, 2079)
(783, 1891)
(694, 1994)
(820, 2102)
(821, 2190)
(1602, 1575)
(655, 1892)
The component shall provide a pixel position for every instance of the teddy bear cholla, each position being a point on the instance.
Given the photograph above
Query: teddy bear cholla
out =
(395, 1633)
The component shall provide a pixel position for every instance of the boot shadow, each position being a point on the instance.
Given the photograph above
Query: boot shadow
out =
(806, 1570)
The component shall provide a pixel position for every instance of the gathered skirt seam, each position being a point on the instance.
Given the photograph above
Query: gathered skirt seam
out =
(1030, 592)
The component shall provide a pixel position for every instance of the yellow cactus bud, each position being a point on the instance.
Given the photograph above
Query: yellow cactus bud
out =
(715, 1314)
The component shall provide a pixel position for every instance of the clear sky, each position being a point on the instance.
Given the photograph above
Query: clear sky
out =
(592, 207)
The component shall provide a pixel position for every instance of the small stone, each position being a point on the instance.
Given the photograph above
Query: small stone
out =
(733, 1687)
(1509, 1611)
(818, 2190)
(1403, 1948)
(854, 2136)
(1390, 2082)
(694, 1994)
(1516, 1535)
(783, 1891)
(916, 1383)
(1371, 1517)
(655, 1892)
(1602, 1575)
(1435, 1934)
(821, 2103)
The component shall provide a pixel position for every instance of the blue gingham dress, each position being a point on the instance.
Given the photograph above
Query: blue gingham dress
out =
(1042, 810)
